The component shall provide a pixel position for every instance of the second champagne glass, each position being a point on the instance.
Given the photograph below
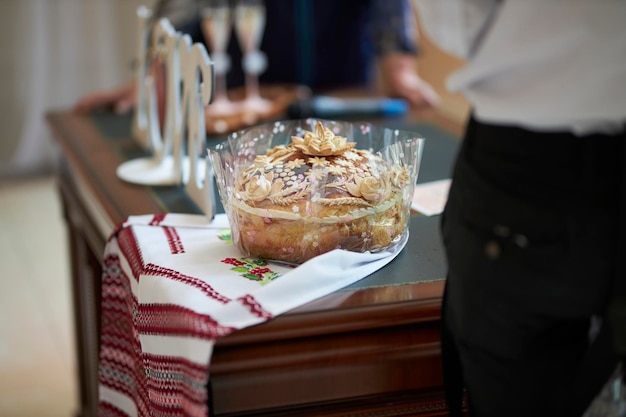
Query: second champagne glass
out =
(217, 28)
(249, 26)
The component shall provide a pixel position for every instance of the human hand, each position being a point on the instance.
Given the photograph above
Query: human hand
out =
(121, 100)
(400, 79)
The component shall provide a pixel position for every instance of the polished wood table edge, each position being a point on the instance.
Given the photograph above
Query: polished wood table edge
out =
(327, 316)
(116, 196)
(411, 403)
(76, 213)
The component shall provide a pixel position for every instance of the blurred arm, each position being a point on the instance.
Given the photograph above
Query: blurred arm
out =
(394, 31)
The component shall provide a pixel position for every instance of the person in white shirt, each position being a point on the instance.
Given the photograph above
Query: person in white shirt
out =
(534, 227)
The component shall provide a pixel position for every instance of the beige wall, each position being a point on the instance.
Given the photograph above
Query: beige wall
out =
(53, 52)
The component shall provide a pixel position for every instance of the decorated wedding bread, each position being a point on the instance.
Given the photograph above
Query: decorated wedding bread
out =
(316, 194)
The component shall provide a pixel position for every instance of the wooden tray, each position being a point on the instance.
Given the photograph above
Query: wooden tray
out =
(280, 97)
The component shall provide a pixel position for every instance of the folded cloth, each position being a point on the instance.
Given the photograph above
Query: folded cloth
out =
(172, 285)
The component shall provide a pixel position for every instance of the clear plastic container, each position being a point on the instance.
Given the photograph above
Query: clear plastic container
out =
(293, 190)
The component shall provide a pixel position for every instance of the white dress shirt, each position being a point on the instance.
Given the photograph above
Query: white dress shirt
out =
(540, 64)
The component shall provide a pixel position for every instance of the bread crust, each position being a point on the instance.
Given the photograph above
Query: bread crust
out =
(315, 195)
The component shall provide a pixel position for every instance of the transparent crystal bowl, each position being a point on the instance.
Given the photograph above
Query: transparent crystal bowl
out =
(293, 190)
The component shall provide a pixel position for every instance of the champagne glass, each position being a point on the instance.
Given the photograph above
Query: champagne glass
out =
(249, 27)
(216, 18)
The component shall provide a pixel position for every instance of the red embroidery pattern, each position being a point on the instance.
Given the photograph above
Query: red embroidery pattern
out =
(253, 269)
(130, 249)
(157, 219)
(173, 239)
(120, 350)
(254, 307)
(169, 319)
(109, 410)
(152, 269)
(159, 386)
(173, 376)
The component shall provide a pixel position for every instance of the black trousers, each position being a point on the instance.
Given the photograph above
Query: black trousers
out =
(531, 238)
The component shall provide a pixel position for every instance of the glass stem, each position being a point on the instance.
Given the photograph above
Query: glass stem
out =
(220, 87)
(252, 86)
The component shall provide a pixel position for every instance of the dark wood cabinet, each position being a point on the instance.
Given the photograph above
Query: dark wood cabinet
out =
(371, 349)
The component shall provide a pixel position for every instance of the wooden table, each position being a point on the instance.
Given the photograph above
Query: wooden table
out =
(371, 349)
